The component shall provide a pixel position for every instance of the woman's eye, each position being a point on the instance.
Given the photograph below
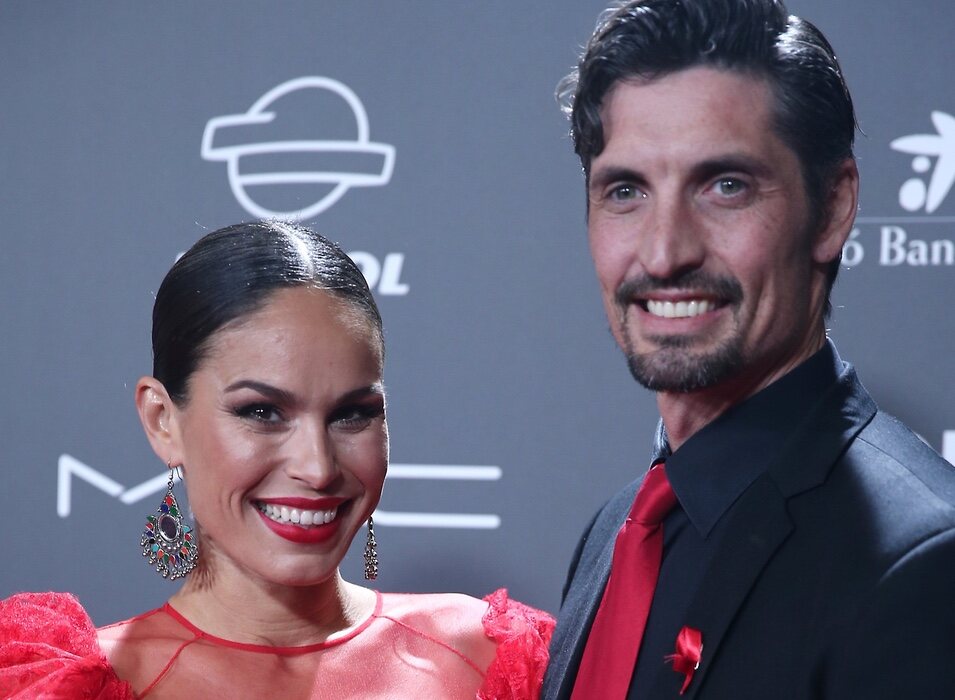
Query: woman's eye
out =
(357, 417)
(260, 412)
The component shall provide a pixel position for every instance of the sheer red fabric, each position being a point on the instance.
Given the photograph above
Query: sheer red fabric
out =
(49, 651)
(413, 646)
(522, 635)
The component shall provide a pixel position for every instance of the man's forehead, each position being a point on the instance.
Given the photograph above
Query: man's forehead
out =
(697, 110)
(695, 86)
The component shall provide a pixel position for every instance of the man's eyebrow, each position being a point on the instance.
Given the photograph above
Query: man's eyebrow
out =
(601, 177)
(711, 167)
(739, 162)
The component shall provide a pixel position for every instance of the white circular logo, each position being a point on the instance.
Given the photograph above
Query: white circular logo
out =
(351, 162)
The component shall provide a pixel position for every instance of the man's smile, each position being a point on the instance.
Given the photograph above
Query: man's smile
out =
(679, 309)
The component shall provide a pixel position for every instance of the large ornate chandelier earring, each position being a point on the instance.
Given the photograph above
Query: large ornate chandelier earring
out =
(167, 542)
(371, 552)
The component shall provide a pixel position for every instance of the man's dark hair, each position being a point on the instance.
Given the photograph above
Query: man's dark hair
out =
(647, 39)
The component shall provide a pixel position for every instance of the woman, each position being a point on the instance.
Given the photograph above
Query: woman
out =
(267, 395)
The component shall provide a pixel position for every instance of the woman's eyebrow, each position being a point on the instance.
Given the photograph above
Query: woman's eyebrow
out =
(263, 388)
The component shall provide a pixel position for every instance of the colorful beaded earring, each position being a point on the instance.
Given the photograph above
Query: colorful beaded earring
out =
(371, 552)
(167, 542)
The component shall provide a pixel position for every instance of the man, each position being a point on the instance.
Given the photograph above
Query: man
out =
(809, 551)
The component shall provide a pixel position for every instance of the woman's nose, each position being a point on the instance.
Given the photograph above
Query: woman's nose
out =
(312, 459)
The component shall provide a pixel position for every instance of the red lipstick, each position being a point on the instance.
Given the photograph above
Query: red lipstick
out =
(303, 503)
(310, 534)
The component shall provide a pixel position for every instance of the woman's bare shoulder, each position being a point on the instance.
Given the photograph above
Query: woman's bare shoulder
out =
(138, 648)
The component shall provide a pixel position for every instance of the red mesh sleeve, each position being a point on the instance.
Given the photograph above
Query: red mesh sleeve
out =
(49, 651)
(522, 634)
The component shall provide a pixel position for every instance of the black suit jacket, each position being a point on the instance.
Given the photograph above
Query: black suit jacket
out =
(835, 576)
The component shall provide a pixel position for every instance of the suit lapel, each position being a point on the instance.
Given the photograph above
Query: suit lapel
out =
(580, 607)
(758, 528)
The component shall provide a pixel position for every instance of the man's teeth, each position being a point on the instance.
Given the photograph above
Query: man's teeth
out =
(680, 309)
(286, 515)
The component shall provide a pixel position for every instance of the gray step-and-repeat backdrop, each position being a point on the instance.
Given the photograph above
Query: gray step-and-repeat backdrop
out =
(127, 130)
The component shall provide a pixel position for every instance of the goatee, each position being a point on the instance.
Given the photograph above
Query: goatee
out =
(674, 366)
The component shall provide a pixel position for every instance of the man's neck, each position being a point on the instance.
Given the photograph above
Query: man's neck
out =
(685, 413)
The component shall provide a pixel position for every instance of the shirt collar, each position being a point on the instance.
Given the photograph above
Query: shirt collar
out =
(718, 462)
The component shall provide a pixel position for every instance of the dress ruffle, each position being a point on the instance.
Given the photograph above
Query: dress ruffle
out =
(523, 635)
(49, 651)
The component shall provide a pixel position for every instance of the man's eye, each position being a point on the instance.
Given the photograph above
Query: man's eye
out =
(729, 186)
(625, 193)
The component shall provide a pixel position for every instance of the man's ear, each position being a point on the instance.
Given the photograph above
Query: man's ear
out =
(839, 210)
(159, 416)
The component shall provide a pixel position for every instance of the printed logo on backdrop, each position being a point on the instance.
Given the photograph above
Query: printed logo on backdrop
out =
(69, 469)
(297, 151)
(307, 139)
(918, 236)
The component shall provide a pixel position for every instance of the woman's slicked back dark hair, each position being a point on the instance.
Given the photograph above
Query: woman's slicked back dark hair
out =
(230, 273)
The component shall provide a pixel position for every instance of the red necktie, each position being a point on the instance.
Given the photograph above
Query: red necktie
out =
(611, 652)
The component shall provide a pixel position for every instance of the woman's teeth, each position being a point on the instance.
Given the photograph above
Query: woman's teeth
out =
(296, 516)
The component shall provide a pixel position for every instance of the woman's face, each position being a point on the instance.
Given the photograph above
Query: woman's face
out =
(283, 438)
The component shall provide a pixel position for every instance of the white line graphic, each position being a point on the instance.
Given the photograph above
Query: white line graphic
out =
(905, 219)
(441, 471)
(68, 467)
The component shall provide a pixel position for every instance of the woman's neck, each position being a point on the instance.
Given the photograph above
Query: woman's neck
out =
(236, 606)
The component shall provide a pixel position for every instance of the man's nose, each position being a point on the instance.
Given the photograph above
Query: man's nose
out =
(672, 242)
(312, 459)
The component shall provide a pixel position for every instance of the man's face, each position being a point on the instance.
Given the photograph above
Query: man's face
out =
(699, 227)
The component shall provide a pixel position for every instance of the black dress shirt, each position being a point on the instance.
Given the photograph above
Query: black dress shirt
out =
(708, 473)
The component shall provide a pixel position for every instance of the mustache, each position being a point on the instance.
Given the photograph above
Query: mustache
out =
(726, 289)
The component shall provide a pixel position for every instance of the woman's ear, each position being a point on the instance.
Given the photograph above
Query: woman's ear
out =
(159, 416)
(840, 213)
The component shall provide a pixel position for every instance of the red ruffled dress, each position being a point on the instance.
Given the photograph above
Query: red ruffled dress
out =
(411, 646)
